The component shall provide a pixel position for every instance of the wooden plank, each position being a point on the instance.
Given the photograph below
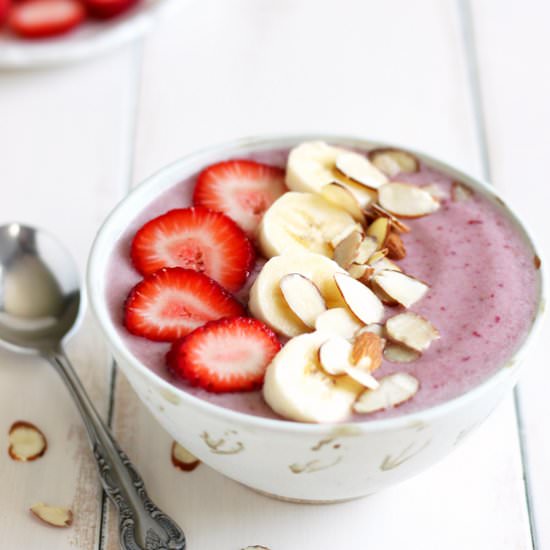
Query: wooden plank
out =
(391, 70)
(515, 81)
(64, 149)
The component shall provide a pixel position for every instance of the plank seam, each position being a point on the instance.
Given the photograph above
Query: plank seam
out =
(132, 133)
(476, 94)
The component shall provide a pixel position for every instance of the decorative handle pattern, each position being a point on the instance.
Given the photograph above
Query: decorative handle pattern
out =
(142, 525)
(130, 520)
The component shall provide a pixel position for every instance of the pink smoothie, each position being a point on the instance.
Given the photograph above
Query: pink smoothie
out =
(482, 298)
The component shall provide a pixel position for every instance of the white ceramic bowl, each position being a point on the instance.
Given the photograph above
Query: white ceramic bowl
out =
(291, 460)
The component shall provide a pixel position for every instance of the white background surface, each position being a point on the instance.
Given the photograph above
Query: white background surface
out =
(468, 82)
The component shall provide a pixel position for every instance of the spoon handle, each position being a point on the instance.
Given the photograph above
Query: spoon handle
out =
(142, 525)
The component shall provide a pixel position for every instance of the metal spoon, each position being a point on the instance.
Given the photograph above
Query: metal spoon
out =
(40, 305)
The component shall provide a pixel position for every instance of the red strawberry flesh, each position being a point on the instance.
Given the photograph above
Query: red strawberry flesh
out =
(44, 18)
(195, 238)
(172, 302)
(105, 9)
(241, 189)
(228, 355)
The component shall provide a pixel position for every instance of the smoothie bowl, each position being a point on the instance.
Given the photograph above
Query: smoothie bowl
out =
(316, 317)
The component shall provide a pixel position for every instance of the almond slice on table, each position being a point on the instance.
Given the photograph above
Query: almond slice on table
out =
(182, 458)
(405, 200)
(339, 237)
(335, 358)
(339, 195)
(460, 192)
(412, 330)
(396, 222)
(302, 297)
(394, 161)
(395, 246)
(26, 442)
(52, 515)
(393, 390)
(401, 287)
(359, 169)
(369, 345)
(338, 321)
(366, 249)
(379, 229)
(363, 303)
(396, 353)
(346, 250)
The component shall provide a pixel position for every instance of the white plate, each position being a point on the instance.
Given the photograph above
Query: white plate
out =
(93, 37)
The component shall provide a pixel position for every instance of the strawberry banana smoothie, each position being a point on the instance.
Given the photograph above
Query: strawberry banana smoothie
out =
(323, 285)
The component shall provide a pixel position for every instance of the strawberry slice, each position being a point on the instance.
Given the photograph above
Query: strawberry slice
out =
(172, 302)
(195, 238)
(226, 355)
(105, 9)
(44, 18)
(241, 189)
(5, 6)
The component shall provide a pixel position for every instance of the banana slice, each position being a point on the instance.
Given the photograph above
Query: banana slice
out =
(267, 302)
(301, 222)
(297, 388)
(312, 165)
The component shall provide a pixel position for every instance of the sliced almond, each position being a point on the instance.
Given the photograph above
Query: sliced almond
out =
(401, 287)
(378, 256)
(361, 374)
(395, 246)
(183, 459)
(436, 191)
(52, 515)
(394, 161)
(379, 229)
(359, 298)
(412, 330)
(346, 251)
(26, 442)
(374, 328)
(334, 355)
(396, 222)
(338, 194)
(302, 297)
(396, 353)
(393, 390)
(367, 345)
(408, 201)
(359, 169)
(366, 249)
(339, 237)
(338, 321)
(360, 271)
(383, 296)
(460, 192)
(380, 263)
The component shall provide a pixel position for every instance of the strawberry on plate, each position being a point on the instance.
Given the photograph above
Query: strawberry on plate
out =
(105, 9)
(5, 6)
(172, 302)
(44, 18)
(195, 238)
(241, 189)
(225, 356)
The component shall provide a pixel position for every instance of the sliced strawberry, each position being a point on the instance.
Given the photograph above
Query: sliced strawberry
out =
(226, 355)
(105, 9)
(172, 302)
(5, 6)
(241, 189)
(195, 238)
(44, 18)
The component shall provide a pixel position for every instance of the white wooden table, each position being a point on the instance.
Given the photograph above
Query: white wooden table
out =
(467, 81)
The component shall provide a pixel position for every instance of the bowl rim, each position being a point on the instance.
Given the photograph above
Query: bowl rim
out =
(106, 239)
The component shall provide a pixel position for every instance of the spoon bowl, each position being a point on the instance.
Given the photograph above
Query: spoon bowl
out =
(40, 294)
